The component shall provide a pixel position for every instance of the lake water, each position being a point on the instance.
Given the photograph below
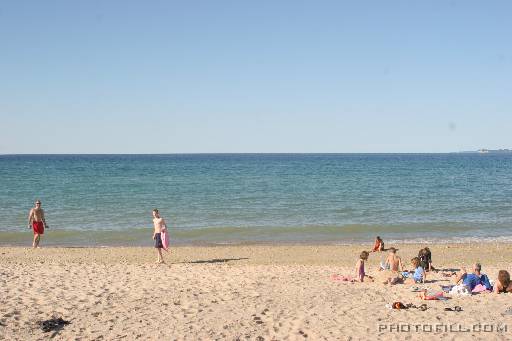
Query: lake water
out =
(233, 198)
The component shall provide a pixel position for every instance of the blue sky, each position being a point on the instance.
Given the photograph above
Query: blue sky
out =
(261, 76)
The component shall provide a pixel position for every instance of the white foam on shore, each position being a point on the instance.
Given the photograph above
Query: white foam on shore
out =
(452, 240)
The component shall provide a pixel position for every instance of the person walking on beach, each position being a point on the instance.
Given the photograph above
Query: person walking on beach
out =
(159, 227)
(360, 273)
(37, 223)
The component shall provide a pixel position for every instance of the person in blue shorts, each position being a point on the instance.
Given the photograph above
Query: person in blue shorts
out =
(159, 225)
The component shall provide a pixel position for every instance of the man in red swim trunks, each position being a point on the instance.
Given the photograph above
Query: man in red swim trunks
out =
(37, 222)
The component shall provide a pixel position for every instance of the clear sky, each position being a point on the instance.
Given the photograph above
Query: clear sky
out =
(254, 76)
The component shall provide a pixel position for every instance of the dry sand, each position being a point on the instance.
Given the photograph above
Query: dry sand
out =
(254, 292)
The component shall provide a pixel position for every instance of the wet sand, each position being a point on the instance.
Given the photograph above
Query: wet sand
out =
(253, 292)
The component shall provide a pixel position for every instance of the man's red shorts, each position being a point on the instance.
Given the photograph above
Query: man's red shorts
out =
(38, 227)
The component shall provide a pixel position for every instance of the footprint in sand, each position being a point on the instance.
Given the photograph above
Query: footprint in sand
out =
(257, 319)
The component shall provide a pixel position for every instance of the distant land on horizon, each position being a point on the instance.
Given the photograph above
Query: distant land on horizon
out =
(488, 151)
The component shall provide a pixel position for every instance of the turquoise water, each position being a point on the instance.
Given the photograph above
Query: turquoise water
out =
(230, 198)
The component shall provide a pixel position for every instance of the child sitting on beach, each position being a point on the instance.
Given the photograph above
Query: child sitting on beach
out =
(416, 276)
(393, 262)
(379, 245)
(360, 273)
(425, 256)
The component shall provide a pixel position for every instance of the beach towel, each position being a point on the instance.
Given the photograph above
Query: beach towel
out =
(447, 288)
(435, 297)
(342, 278)
(165, 239)
(480, 288)
(460, 290)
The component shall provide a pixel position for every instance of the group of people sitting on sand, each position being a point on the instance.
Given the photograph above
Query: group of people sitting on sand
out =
(392, 272)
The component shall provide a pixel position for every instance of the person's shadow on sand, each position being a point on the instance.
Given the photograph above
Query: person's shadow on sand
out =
(213, 261)
(448, 270)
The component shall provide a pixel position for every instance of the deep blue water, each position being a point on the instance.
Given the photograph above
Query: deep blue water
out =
(262, 197)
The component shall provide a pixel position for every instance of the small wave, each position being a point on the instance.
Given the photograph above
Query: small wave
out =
(338, 235)
(453, 240)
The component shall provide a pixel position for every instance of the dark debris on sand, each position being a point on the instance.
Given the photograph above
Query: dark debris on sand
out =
(53, 324)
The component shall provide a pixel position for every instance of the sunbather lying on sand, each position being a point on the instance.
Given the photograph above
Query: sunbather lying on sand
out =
(503, 284)
(473, 279)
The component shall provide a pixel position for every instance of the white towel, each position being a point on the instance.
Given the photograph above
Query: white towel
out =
(460, 290)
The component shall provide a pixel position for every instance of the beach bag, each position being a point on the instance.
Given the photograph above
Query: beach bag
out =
(460, 290)
(165, 239)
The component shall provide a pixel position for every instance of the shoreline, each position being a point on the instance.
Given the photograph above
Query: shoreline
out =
(388, 244)
(307, 254)
(26, 243)
(142, 238)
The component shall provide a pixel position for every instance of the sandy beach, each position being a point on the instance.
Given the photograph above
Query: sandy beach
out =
(243, 292)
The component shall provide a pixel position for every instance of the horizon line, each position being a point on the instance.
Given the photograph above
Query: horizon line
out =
(247, 153)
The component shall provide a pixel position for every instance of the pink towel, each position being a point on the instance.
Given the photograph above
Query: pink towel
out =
(436, 296)
(342, 278)
(165, 239)
(479, 288)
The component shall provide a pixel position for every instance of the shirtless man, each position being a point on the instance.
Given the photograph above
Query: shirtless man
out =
(37, 223)
(159, 224)
(393, 262)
